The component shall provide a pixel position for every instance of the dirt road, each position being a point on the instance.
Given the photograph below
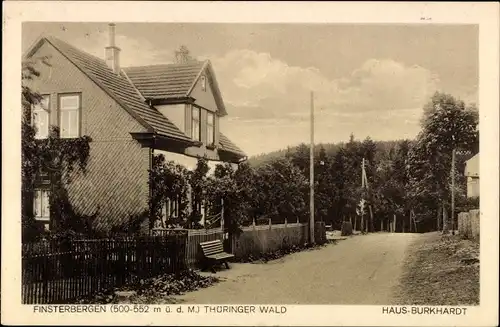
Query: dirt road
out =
(360, 270)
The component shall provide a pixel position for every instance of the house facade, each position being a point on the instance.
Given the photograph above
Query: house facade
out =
(472, 174)
(131, 114)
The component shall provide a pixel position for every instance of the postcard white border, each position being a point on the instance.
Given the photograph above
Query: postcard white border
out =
(484, 14)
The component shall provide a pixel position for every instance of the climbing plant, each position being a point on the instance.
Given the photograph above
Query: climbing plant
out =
(60, 159)
(198, 182)
(167, 181)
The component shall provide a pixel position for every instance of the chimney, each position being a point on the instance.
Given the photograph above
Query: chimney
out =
(112, 52)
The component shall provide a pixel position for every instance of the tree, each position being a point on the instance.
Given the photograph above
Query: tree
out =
(300, 158)
(237, 189)
(340, 184)
(447, 124)
(390, 183)
(183, 55)
(168, 181)
(283, 191)
(198, 182)
(323, 186)
(353, 176)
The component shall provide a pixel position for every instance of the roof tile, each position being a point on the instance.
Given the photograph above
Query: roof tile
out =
(164, 81)
(229, 146)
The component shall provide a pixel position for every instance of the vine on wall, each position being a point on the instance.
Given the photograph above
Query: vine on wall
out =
(61, 159)
(167, 181)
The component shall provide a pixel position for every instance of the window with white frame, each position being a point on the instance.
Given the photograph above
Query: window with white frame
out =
(210, 128)
(195, 130)
(69, 115)
(40, 117)
(41, 206)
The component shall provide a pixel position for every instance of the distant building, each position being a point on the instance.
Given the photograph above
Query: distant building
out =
(472, 174)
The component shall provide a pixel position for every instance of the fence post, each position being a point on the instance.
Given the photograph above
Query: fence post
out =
(270, 223)
(45, 277)
(222, 217)
(286, 221)
(253, 222)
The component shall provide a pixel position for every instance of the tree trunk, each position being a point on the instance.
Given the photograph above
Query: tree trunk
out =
(446, 229)
(372, 223)
(439, 213)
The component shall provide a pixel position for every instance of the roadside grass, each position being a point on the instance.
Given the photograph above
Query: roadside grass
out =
(441, 270)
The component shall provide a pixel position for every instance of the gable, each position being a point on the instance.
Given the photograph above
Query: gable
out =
(472, 166)
(101, 116)
(174, 83)
(204, 98)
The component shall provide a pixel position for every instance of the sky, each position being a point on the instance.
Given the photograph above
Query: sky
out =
(369, 80)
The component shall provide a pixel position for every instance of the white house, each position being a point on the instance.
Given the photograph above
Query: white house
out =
(472, 173)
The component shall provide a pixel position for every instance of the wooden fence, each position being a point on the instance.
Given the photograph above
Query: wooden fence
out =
(84, 267)
(193, 240)
(469, 225)
(195, 237)
(258, 239)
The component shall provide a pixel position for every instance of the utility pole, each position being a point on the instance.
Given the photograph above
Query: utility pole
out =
(363, 195)
(311, 175)
(453, 191)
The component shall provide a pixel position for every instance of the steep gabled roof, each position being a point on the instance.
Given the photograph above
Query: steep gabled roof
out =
(164, 81)
(171, 81)
(116, 86)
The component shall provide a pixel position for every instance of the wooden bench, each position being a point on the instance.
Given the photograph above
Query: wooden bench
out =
(213, 254)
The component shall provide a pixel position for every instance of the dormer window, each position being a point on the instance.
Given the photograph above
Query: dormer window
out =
(203, 81)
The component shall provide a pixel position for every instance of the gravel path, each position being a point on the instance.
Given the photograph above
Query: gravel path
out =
(359, 270)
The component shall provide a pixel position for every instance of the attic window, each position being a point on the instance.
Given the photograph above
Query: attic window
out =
(203, 81)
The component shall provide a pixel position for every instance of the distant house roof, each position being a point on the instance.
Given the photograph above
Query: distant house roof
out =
(121, 89)
(472, 166)
(173, 81)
